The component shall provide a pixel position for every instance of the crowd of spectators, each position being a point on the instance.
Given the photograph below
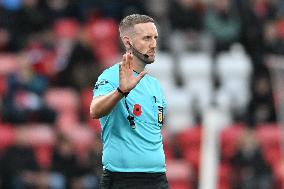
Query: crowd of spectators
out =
(51, 45)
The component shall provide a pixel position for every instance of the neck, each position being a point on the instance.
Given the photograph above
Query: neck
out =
(138, 65)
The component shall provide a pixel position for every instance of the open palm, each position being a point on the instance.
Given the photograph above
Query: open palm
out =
(127, 80)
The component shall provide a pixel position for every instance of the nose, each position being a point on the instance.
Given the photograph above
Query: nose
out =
(153, 43)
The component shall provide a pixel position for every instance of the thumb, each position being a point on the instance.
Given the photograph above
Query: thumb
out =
(141, 75)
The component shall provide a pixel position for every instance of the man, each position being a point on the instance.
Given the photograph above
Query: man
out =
(131, 108)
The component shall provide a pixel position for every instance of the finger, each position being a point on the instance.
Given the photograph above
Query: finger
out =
(131, 61)
(123, 64)
(120, 69)
(129, 58)
(124, 59)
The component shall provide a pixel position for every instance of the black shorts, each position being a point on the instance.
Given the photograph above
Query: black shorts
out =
(119, 180)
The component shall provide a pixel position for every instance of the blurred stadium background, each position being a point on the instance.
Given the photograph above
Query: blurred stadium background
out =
(220, 63)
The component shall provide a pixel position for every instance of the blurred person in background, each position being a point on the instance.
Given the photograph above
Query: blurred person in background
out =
(186, 31)
(254, 15)
(9, 41)
(261, 108)
(31, 19)
(81, 65)
(251, 171)
(11, 5)
(64, 161)
(90, 169)
(222, 22)
(23, 103)
(111, 8)
(131, 7)
(279, 7)
(19, 166)
(131, 108)
(57, 9)
(274, 36)
(159, 10)
(6, 42)
(186, 21)
(273, 43)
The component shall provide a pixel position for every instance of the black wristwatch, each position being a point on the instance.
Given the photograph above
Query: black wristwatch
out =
(121, 92)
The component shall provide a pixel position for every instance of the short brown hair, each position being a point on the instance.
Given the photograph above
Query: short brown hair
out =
(131, 20)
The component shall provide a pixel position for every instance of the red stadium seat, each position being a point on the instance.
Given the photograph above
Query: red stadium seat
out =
(280, 28)
(168, 151)
(82, 138)
(95, 125)
(7, 136)
(229, 139)
(270, 140)
(46, 64)
(8, 64)
(179, 174)
(86, 99)
(189, 142)
(168, 145)
(101, 30)
(192, 155)
(38, 134)
(43, 155)
(3, 85)
(62, 100)
(67, 120)
(66, 28)
(278, 172)
(104, 37)
(224, 177)
(190, 138)
(41, 137)
(107, 53)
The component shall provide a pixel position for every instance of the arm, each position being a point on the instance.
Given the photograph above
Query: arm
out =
(102, 105)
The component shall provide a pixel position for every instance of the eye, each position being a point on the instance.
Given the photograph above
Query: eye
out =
(147, 38)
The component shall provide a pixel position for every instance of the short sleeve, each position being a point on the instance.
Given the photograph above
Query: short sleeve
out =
(104, 85)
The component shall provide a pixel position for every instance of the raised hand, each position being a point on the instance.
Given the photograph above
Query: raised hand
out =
(127, 80)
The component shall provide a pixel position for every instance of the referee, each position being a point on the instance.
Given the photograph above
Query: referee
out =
(131, 107)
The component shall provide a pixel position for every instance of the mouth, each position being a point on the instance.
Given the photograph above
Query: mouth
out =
(151, 53)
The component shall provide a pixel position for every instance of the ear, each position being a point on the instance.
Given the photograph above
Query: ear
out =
(126, 42)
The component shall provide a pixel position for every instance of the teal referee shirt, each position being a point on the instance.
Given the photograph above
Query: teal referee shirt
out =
(126, 149)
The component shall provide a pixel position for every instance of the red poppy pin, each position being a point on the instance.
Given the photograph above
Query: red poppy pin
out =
(137, 110)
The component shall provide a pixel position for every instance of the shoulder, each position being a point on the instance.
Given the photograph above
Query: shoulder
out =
(152, 79)
(155, 85)
(107, 81)
(110, 74)
(110, 71)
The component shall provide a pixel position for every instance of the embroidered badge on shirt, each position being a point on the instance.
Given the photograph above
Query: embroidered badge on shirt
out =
(102, 82)
(160, 115)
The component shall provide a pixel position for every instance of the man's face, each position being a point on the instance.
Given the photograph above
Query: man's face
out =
(144, 39)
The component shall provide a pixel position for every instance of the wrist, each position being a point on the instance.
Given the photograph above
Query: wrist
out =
(121, 92)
